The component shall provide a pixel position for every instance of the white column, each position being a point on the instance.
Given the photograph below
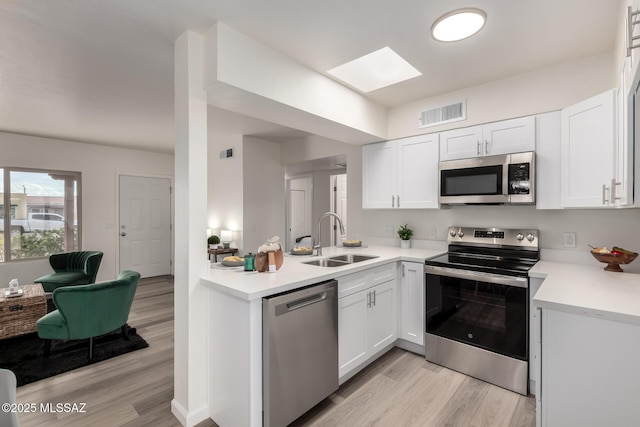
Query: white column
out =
(190, 400)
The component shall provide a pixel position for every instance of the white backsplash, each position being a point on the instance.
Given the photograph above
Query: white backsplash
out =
(598, 227)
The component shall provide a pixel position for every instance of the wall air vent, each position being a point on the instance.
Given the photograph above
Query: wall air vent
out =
(444, 114)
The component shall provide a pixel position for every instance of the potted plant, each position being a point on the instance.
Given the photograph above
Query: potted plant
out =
(405, 234)
(213, 242)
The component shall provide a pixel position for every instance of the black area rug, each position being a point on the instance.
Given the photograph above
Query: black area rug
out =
(24, 355)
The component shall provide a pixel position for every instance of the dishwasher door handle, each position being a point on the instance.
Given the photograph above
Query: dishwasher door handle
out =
(286, 307)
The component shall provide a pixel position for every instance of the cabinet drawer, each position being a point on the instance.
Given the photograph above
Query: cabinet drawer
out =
(382, 274)
(356, 282)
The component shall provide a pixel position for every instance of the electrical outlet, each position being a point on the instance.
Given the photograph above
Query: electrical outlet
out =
(569, 239)
(388, 230)
(431, 233)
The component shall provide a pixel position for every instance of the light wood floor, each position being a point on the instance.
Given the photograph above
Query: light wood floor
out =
(400, 389)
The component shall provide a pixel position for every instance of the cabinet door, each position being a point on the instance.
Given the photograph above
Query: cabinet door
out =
(412, 302)
(382, 316)
(418, 172)
(461, 143)
(548, 161)
(379, 175)
(509, 136)
(588, 142)
(623, 185)
(352, 331)
(589, 371)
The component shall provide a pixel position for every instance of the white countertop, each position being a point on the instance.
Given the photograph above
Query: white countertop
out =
(588, 290)
(294, 274)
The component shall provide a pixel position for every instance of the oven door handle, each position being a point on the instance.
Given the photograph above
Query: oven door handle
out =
(520, 282)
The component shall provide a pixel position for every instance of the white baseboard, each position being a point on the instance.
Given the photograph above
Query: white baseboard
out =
(188, 419)
(410, 346)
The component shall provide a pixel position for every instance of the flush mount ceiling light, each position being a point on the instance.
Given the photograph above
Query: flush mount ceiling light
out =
(458, 24)
(375, 70)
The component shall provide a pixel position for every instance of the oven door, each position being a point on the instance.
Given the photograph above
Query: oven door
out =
(470, 181)
(483, 310)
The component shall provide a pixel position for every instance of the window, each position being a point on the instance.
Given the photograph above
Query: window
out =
(43, 215)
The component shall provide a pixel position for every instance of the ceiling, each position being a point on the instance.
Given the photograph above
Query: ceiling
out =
(102, 71)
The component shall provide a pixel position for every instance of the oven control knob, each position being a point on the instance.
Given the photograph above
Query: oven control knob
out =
(460, 233)
(530, 237)
(452, 233)
(520, 237)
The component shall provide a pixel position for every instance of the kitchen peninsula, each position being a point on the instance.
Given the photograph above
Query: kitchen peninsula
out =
(586, 334)
(235, 323)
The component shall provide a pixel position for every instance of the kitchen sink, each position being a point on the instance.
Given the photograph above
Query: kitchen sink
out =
(326, 263)
(340, 260)
(351, 258)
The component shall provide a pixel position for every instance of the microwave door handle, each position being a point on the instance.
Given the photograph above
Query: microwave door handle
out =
(505, 179)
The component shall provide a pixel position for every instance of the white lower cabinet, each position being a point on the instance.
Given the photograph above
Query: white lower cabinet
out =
(366, 319)
(411, 296)
(588, 371)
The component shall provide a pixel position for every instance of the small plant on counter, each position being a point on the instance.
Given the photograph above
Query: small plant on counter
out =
(213, 241)
(405, 232)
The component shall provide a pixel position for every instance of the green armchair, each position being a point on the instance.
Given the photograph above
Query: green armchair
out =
(88, 311)
(71, 268)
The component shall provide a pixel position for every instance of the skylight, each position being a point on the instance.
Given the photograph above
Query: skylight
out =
(375, 70)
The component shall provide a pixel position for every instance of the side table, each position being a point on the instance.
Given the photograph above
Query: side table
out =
(216, 252)
(18, 315)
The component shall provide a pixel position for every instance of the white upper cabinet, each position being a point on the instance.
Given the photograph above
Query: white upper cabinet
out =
(510, 136)
(504, 137)
(548, 143)
(461, 143)
(401, 174)
(589, 143)
(379, 170)
(624, 162)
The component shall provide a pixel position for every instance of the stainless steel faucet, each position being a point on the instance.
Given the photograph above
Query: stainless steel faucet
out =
(318, 246)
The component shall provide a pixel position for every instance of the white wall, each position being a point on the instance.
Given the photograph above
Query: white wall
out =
(225, 182)
(100, 167)
(245, 76)
(546, 89)
(315, 147)
(598, 227)
(321, 204)
(264, 193)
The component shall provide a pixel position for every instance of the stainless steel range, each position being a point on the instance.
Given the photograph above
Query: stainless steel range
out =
(477, 304)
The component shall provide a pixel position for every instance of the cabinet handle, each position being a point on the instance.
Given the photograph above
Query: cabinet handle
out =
(393, 201)
(403, 266)
(398, 200)
(478, 147)
(613, 190)
(486, 146)
(369, 299)
(374, 298)
(604, 194)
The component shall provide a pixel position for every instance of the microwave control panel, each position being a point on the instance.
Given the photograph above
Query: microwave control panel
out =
(519, 178)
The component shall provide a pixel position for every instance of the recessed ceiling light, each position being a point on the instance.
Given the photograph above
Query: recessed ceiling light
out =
(375, 70)
(458, 25)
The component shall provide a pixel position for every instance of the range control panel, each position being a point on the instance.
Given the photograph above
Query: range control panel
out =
(522, 238)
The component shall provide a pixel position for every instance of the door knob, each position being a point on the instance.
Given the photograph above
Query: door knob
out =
(123, 234)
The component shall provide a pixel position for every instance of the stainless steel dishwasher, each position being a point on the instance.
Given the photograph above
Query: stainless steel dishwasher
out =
(299, 351)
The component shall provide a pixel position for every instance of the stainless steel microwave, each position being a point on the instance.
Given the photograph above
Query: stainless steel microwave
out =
(507, 179)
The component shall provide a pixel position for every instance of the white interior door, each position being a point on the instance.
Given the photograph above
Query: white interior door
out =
(300, 203)
(338, 206)
(145, 225)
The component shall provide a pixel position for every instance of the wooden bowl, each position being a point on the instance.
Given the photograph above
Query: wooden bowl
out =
(613, 261)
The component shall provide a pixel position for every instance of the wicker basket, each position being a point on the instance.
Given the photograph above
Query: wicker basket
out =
(19, 315)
